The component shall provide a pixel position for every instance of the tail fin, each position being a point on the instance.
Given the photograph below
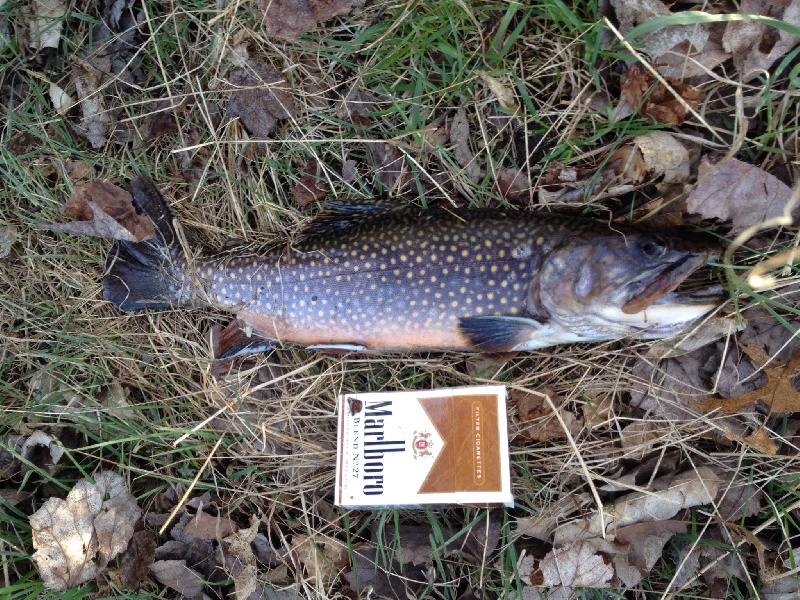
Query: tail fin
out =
(153, 273)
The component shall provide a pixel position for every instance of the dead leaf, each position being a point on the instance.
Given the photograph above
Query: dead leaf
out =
(208, 527)
(162, 120)
(694, 65)
(203, 556)
(598, 411)
(628, 165)
(261, 98)
(759, 440)
(504, 93)
(779, 395)
(707, 332)
(114, 524)
(95, 123)
(177, 576)
(639, 438)
(460, 138)
(756, 46)
(738, 192)
(671, 388)
(582, 564)
(47, 24)
(311, 188)
(513, 185)
(12, 498)
(644, 474)
(10, 448)
(777, 587)
(289, 19)
(646, 543)
(537, 419)
(711, 561)
(68, 534)
(241, 560)
(265, 554)
(391, 580)
(39, 448)
(601, 563)
(104, 210)
(635, 12)
(666, 496)
(664, 155)
(741, 500)
(354, 104)
(349, 171)
(136, 561)
(765, 332)
(322, 556)
(21, 143)
(390, 164)
(653, 101)
(61, 100)
(269, 592)
(780, 582)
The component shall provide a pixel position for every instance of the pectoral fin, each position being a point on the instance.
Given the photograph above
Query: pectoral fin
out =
(498, 334)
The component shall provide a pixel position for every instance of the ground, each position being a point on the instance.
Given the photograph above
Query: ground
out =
(217, 476)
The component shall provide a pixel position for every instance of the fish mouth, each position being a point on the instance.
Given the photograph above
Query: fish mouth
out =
(660, 287)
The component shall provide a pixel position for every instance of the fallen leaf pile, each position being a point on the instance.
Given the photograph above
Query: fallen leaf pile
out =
(77, 540)
(731, 387)
(618, 549)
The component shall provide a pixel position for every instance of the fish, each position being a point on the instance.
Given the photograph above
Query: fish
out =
(386, 279)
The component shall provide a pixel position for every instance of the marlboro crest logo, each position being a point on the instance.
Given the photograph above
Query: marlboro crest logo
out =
(422, 444)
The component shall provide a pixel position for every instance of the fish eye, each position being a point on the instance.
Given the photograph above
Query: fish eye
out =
(653, 249)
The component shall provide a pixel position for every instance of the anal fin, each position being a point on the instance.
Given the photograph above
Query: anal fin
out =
(497, 333)
(234, 341)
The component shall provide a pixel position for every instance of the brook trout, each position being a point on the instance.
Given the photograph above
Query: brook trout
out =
(379, 280)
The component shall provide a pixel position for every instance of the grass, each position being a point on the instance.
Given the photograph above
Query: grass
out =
(135, 394)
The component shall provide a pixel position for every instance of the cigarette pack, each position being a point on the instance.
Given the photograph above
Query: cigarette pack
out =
(419, 448)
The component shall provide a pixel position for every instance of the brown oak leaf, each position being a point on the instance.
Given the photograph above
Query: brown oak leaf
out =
(779, 395)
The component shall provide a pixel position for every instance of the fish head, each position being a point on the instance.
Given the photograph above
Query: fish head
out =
(623, 283)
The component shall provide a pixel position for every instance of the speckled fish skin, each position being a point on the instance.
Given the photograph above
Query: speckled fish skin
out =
(408, 280)
(393, 283)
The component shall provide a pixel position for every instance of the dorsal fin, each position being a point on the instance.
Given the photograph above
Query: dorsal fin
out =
(338, 216)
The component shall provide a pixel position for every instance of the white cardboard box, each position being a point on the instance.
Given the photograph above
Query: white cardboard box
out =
(418, 448)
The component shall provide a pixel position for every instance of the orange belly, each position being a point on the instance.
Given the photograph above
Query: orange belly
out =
(393, 337)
